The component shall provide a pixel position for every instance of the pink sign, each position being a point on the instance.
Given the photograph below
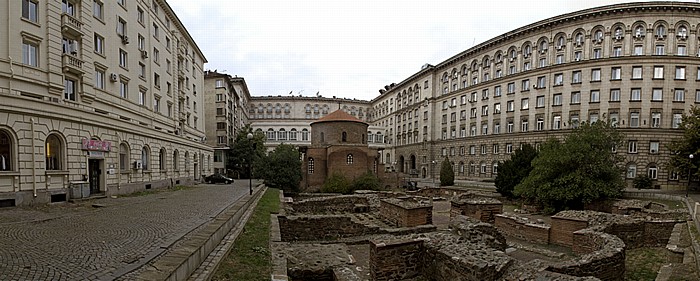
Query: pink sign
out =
(96, 145)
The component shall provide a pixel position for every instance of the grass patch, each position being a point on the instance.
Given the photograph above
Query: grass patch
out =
(672, 204)
(250, 257)
(644, 263)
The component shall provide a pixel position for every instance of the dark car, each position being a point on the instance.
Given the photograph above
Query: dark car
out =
(218, 178)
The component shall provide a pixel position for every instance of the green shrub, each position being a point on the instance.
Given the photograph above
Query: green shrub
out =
(336, 183)
(367, 181)
(642, 182)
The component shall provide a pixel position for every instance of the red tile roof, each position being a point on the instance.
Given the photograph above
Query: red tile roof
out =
(338, 115)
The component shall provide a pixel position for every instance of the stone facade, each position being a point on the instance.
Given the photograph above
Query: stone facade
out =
(406, 211)
(82, 108)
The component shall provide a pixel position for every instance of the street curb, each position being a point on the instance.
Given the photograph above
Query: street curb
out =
(183, 260)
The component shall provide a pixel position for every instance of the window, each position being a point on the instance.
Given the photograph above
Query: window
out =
(653, 147)
(556, 99)
(497, 91)
(677, 120)
(70, 88)
(681, 50)
(511, 86)
(496, 127)
(615, 73)
(156, 104)
(156, 55)
(509, 148)
(484, 111)
(614, 118)
(123, 89)
(524, 104)
(145, 155)
(656, 119)
(679, 95)
(99, 44)
(615, 95)
(123, 58)
(597, 53)
(495, 148)
(98, 9)
(578, 55)
(658, 72)
(632, 146)
(155, 31)
(142, 97)
(576, 77)
(54, 153)
(634, 119)
(656, 94)
(652, 172)
(121, 27)
(525, 85)
(559, 59)
(636, 94)
(29, 10)
(6, 152)
(541, 82)
(631, 171)
(575, 97)
(139, 15)
(30, 54)
(540, 124)
(660, 50)
(593, 117)
(344, 136)
(616, 52)
(595, 75)
(680, 72)
(123, 157)
(638, 50)
(636, 72)
(349, 159)
(558, 79)
(310, 166)
(510, 106)
(595, 96)
(176, 161)
(510, 126)
(99, 79)
(556, 124)
(697, 96)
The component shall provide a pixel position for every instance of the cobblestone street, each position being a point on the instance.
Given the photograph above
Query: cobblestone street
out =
(80, 242)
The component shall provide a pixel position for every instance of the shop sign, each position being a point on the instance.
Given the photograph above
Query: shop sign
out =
(96, 145)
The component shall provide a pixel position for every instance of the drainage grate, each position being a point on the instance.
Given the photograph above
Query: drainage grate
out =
(58, 198)
(7, 203)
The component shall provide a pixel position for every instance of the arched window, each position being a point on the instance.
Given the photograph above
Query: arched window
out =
(561, 41)
(305, 135)
(349, 159)
(682, 32)
(145, 155)
(344, 137)
(123, 156)
(660, 31)
(176, 159)
(6, 153)
(461, 168)
(631, 171)
(187, 161)
(54, 150)
(282, 134)
(161, 160)
(293, 134)
(311, 165)
(363, 138)
(323, 138)
(579, 39)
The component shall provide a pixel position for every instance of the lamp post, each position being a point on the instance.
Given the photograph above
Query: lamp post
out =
(250, 163)
(396, 171)
(690, 168)
(432, 172)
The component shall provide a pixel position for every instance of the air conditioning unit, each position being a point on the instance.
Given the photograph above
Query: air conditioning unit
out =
(138, 165)
(113, 77)
(144, 54)
(125, 39)
(653, 151)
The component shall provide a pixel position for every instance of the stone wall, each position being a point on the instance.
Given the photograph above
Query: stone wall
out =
(657, 233)
(321, 227)
(562, 230)
(397, 214)
(330, 205)
(521, 229)
(398, 260)
(483, 209)
(603, 256)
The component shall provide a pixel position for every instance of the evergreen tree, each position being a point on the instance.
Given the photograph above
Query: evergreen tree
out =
(447, 174)
(512, 171)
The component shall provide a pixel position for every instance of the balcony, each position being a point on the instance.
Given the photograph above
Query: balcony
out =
(71, 25)
(72, 64)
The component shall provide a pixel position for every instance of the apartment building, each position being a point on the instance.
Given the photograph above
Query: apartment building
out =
(226, 99)
(103, 96)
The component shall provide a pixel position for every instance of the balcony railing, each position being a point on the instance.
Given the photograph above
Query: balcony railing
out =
(72, 64)
(71, 25)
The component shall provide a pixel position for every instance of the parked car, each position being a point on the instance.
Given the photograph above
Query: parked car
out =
(218, 178)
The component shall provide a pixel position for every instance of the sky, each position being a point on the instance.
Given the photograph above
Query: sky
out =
(348, 49)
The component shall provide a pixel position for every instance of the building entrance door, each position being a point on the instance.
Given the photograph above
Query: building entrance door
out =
(95, 175)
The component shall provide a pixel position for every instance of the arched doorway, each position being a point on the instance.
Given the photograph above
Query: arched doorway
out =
(413, 162)
(400, 164)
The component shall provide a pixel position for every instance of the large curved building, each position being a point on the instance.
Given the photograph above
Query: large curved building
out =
(636, 65)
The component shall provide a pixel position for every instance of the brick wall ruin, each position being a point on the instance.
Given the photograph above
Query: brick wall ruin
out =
(396, 260)
(517, 227)
(603, 256)
(562, 230)
(480, 208)
(321, 227)
(406, 212)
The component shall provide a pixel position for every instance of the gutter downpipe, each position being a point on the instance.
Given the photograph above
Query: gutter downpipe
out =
(33, 158)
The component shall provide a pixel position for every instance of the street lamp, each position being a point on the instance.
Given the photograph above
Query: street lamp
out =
(396, 171)
(432, 172)
(250, 163)
(690, 167)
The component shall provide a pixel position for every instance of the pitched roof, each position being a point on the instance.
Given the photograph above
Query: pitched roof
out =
(338, 115)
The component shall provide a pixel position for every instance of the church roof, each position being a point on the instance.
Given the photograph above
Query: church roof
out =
(338, 116)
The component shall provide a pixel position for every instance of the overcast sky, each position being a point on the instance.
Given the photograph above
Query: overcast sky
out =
(348, 49)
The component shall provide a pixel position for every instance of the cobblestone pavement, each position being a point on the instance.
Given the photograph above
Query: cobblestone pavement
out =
(80, 242)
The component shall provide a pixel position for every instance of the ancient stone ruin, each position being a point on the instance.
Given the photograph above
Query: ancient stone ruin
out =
(391, 236)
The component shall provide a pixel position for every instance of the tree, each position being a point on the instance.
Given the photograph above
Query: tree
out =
(367, 181)
(512, 171)
(447, 175)
(580, 169)
(243, 149)
(282, 168)
(336, 183)
(688, 144)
